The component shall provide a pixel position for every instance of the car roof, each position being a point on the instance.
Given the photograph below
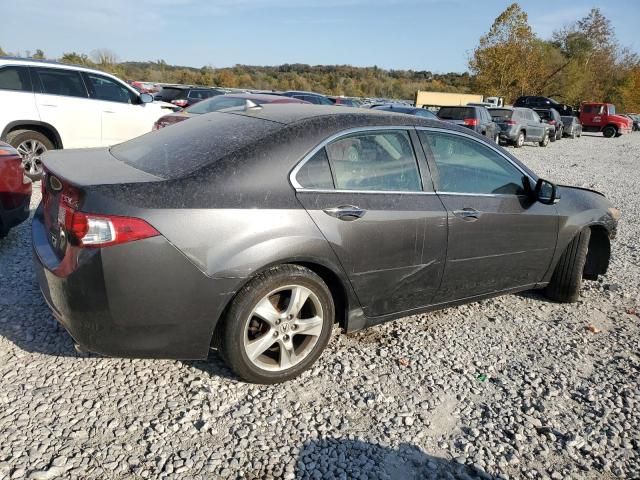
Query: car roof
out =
(302, 92)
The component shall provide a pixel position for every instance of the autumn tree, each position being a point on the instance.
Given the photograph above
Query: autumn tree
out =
(39, 54)
(508, 60)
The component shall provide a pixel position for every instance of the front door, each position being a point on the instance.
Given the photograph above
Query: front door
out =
(499, 238)
(365, 193)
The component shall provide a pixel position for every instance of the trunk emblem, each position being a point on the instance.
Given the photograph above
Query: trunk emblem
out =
(55, 184)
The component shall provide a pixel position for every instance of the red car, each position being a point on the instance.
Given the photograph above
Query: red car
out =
(220, 102)
(15, 189)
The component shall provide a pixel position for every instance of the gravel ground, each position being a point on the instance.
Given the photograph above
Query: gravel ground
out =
(514, 387)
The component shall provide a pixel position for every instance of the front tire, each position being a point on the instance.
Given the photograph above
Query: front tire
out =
(519, 140)
(545, 140)
(567, 278)
(277, 325)
(31, 145)
(609, 131)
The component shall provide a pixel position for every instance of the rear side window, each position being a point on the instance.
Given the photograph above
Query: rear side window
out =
(380, 161)
(209, 138)
(60, 82)
(15, 78)
(316, 173)
(456, 113)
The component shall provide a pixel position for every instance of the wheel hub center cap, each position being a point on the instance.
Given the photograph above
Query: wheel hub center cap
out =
(285, 327)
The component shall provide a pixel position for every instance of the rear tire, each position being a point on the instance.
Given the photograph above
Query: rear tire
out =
(264, 337)
(609, 131)
(567, 278)
(519, 140)
(30, 145)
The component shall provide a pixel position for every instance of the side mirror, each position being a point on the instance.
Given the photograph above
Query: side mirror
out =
(146, 98)
(546, 192)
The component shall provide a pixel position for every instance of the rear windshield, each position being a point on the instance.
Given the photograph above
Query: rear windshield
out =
(171, 93)
(498, 115)
(545, 114)
(182, 148)
(456, 113)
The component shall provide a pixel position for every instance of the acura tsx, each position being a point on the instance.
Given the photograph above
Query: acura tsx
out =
(253, 231)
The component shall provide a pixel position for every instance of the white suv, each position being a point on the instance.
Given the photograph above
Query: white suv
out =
(48, 105)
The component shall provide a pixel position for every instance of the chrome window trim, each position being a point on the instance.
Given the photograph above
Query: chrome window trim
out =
(345, 133)
(379, 192)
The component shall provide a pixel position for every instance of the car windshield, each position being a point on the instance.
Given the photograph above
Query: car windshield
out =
(209, 137)
(499, 115)
(170, 93)
(214, 104)
(545, 114)
(455, 113)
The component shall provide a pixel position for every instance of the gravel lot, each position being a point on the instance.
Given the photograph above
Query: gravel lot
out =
(514, 387)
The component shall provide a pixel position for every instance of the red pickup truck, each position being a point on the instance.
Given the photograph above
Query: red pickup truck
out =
(601, 117)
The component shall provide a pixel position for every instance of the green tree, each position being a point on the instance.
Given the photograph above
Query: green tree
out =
(39, 54)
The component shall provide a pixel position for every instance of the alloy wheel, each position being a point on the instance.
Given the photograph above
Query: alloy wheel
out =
(283, 328)
(31, 152)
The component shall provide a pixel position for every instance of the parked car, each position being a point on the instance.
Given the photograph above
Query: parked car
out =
(552, 118)
(48, 105)
(310, 97)
(636, 121)
(572, 127)
(15, 189)
(420, 112)
(220, 102)
(602, 117)
(519, 125)
(185, 96)
(327, 217)
(345, 102)
(536, 102)
(477, 119)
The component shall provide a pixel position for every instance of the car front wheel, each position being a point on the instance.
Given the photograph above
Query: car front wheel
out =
(609, 131)
(567, 277)
(277, 325)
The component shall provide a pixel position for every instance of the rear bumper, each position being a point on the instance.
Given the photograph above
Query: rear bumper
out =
(142, 299)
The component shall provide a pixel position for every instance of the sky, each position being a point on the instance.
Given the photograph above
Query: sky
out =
(435, 35)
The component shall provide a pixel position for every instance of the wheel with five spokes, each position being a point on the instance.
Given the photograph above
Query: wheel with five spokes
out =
(277, 325)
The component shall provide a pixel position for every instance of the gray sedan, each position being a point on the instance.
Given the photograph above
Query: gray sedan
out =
(255, 231)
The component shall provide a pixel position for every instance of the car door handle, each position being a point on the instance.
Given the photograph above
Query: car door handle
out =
(470, 214)
(347, 213)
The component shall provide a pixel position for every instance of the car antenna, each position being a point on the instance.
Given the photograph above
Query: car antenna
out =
(251, 105)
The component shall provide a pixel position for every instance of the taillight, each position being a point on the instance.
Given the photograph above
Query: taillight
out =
(510, 122)
(180, 103)
(552, 122)
(471, 122)
(97, 231)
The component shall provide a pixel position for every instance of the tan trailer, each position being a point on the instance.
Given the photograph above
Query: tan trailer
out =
(441, 99)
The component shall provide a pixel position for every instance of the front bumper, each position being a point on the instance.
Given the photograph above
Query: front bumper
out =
(142, 299)
(9, 218)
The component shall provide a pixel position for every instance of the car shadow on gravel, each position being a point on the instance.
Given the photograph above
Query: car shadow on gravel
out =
(343, 458)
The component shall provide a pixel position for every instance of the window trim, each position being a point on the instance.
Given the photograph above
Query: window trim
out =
(347, 133)
(436, 177)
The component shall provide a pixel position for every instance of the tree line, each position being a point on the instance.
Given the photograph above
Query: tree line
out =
(583, 61)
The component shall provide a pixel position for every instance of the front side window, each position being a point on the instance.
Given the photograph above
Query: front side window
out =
(107, 89)
(15, 78)
(468, 166)
(59, 81)
(377, 161)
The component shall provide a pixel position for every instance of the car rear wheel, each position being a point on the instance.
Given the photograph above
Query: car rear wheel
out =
(519, 140)
(31, 145)
(496, 138)
(545, 140)
(609, 131)
(567, 278)
(277, 325)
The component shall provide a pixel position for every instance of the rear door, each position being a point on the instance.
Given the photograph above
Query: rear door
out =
(63, 101)
(122, 115)
(372, 198)
(535, 126)
(498, 238)
(17, 99)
